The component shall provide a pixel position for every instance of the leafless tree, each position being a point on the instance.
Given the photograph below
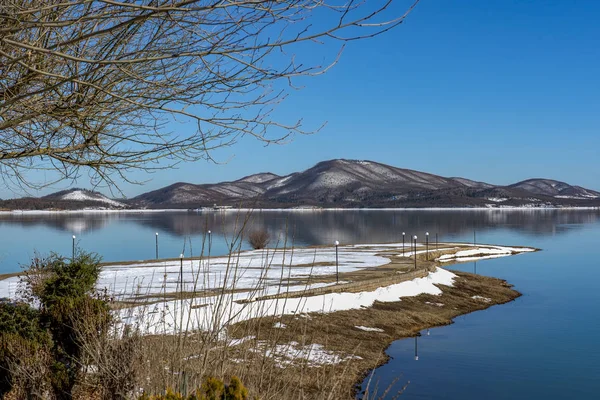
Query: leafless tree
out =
(97, 85)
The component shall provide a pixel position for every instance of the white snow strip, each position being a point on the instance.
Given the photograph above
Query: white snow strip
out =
(222, 311)
(369, 329)
(471, 259)
(237, 342)
(483, 252)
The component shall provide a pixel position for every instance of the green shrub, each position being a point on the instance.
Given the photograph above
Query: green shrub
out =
(65, 291)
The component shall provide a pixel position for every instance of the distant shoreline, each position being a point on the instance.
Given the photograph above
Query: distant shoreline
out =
(233, 210)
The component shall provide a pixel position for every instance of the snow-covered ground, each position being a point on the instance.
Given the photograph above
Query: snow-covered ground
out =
(483, 252)
(216, 312)
(227, 290)
(260, 271)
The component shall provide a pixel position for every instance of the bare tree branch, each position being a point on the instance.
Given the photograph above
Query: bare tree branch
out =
(97, 84)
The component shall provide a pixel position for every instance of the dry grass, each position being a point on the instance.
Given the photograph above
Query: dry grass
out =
(336, 332)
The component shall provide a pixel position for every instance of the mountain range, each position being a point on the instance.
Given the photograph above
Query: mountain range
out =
(335, 183)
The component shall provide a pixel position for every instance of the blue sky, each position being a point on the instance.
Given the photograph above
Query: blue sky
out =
(494, 90)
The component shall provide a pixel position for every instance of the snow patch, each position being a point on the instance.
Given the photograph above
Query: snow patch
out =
(483, 252)
(314, 355)
(369, 329)
(80, 195)
(237, 342)
(481, 298)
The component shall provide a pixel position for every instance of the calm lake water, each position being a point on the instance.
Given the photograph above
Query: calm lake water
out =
(545, 345)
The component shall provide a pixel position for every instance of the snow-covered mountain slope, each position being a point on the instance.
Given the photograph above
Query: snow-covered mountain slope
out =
(82, 195)
(259, 178)
(346, 180)
(354, 183)
(473, 184)
(340, 183)
(552, 188)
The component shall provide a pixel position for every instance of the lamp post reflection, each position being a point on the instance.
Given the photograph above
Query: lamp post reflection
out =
(417, 346)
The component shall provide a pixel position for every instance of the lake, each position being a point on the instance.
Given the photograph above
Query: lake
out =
(546, 344)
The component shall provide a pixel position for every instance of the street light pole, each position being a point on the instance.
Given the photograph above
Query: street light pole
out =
(427, 245)
(337, 270)
(436, 241)
(73, 258)
(181, 272)
(415, 240)
(181, 291)
(156, 245)
(209, 242)
(403, 233)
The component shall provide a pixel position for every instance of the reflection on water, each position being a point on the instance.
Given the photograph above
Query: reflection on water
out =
(127, 236)
(318, 226)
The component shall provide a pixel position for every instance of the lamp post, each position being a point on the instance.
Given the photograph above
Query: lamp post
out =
(436, 241)
(415, 240)
(73, 247)
(181, 288)
(156, 245)
(427, 245)
(403, 233)
(337, 270)
(181, 272)
(209, 241)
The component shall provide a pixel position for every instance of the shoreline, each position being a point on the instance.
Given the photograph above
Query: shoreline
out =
(362, 351)
(514, 296)
(237, 210)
